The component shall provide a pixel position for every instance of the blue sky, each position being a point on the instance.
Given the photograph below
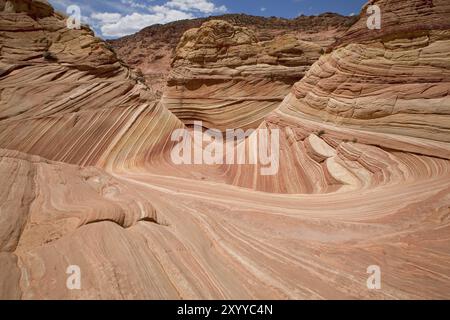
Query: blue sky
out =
(116, 18)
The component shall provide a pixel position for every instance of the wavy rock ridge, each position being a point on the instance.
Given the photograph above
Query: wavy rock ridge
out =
(153, 48)
(397, 84)
(368, 113)
(88, 179)
(225, 77)
(68, 89)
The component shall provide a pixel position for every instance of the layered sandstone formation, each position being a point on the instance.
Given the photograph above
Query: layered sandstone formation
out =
(371, 112)
(155, 237)
(224, 76)
(364, 174)
(69, 90)
(43, 202)
(394, 80)
(152, 49)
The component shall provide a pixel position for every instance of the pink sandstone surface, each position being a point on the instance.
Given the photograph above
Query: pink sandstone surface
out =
(364, 178)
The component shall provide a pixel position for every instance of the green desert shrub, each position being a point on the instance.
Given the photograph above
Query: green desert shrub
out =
(49, 56)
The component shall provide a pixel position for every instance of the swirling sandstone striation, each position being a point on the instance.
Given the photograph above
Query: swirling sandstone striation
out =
(44, 201)
(394, 80)
(223, 75)
(369, 113)
(210, 242)
(352, 191)
(69, 90)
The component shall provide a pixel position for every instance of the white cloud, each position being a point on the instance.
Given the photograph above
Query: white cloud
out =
(263, 9)
(119, 25)
(106, 17)
(133, 4)
(204, 6)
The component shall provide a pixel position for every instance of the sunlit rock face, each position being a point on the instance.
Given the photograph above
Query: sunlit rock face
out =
(364, 164)
(152, 49)
(224, 76)
(366, 107)
(68, 89)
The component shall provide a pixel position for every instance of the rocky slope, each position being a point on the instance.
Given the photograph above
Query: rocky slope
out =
(225, 77)
(394, 80)
(88, 180)
(153, 49)
(44, 201)
(369, 113)
(67, 88)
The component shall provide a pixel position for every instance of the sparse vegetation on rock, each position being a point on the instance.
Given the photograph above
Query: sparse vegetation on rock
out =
(49, 56)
